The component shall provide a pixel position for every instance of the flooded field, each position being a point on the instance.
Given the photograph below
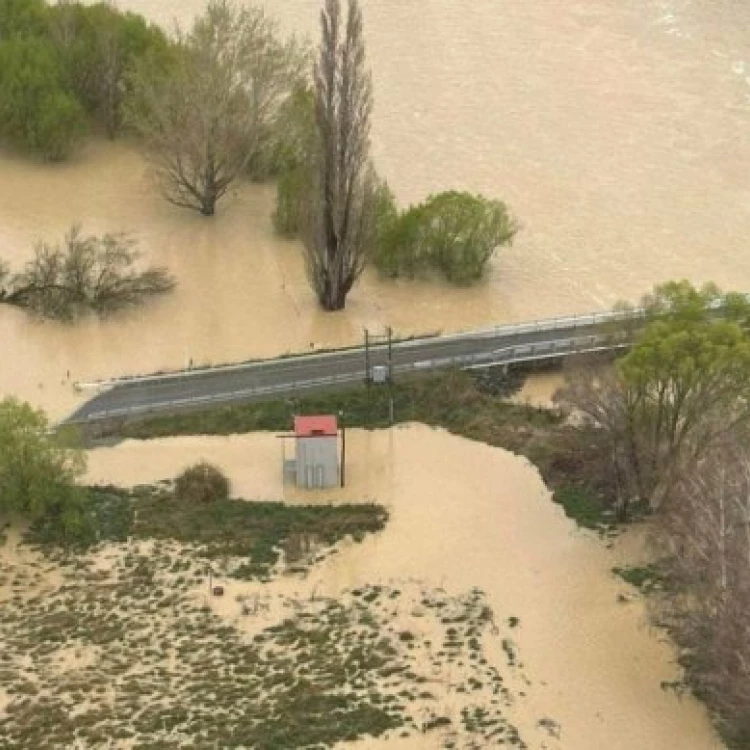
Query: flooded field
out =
(587, 661)
(615, 131)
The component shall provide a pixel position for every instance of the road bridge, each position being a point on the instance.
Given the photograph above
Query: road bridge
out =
(293, 375)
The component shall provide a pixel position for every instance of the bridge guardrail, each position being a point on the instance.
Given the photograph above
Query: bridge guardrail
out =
(508, 330)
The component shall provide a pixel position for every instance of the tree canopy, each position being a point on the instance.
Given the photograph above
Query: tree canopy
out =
(63, 69)
(207, 118)
(339, 221)
(454, 233)
(36, 111)
(38, 475)
(682, 388)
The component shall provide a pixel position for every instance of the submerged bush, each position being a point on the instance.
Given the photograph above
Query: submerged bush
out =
(84, 273)
(202, 483)
(37, 112)
(454, 233)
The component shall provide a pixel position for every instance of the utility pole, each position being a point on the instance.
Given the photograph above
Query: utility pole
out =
(390, 374)
(390, 354)
(367, 358)
(367, 375)
(343, 448)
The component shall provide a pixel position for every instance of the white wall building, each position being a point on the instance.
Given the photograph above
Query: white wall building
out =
(316, 451)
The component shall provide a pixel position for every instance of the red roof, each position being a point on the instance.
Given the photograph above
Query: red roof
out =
(315, 426)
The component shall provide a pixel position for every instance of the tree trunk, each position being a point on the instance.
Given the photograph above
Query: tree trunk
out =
(332, 297)
(208, 201)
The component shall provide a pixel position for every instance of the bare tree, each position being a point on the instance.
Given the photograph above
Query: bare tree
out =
(598, 396)
(704, 543)
(208, 117)
(340, 225)
(86, 273)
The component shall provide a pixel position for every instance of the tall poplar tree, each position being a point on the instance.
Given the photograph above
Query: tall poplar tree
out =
(340, 225)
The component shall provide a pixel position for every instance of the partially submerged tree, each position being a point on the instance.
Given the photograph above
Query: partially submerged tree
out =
(38, 475)
(85, 273)
(36, 110)
(64, 67)
(99, 46)
(207, 118)
(340, 225)
(683, 387)
(454, 233)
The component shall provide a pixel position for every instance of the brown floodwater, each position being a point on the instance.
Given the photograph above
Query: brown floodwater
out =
(463, 515)
(617, 132)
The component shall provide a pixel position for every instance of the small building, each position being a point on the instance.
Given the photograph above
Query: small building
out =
(316, 461)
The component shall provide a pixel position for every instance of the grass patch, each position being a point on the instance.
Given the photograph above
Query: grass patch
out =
(646, 578)
(455, 400)
(583, 506)
(255, 530)
(332, 671)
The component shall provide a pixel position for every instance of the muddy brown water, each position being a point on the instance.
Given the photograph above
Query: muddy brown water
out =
(464, 515)
(616, 132)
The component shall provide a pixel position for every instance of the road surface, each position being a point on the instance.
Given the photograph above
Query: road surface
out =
(293, 375)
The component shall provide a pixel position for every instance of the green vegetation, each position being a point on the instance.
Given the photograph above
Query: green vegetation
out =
(295, 145)
(64, 70)
(292, 188)
(38, 113)
(682, 389)
(252, 532)
(453, 233)
(332, 671)
(455, 400)
(38, 474)
(646, 578)
(583, 506)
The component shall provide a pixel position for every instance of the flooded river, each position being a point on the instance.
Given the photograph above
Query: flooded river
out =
(483, 519)
(617, 132)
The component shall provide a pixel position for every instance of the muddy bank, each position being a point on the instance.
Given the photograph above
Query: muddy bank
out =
(464, 515)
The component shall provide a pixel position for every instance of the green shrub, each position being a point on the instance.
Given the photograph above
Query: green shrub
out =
(454, 233)
(59, 127)
(65, 66)
(37, 113)
(202, 483)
